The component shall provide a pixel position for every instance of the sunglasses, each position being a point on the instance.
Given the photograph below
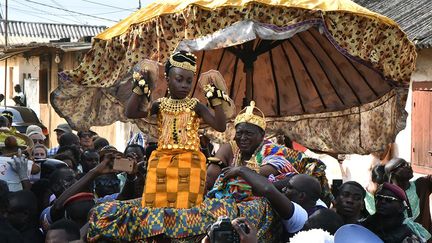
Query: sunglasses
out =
(38, 141)
(387, 199)
(401, 165)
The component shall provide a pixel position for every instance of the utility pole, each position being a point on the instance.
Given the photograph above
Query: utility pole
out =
(5, 48)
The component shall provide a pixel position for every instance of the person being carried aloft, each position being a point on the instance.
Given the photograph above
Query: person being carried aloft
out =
(250, 148)
(177, 162)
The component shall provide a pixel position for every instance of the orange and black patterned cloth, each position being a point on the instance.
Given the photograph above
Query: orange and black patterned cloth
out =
(175, 179)
(176, 171)
(127, 221)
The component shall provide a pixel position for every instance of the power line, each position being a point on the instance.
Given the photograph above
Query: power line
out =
(106, 5)
(118, 11)
(43, 11)
(40, 13)
(59, 5)
(62, 15)
(55, 21)
(70, 11)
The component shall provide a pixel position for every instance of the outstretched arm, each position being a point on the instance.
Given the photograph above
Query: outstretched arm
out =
(216, 121)
(132, 107)
(263, 188)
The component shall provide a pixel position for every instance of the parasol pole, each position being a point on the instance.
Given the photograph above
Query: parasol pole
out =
(249, 69)
(5, 47)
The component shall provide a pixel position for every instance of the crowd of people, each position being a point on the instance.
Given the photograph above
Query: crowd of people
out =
(176, 189)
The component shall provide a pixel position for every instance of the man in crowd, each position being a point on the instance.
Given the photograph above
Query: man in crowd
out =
(63, 231)
(19, 98)
(418, 191)
(350, 202)
(8, 233)
(60, 130)
(22, 215)
(306, 191)
(388, 221)
(86, 139)
(89, 160)
(400, 173)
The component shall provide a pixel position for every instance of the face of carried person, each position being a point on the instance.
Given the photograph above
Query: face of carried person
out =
(180, 82)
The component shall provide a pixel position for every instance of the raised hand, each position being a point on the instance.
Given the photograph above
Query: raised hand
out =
(20, 165)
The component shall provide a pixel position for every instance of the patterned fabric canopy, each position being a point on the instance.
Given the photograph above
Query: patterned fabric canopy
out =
(333, 75)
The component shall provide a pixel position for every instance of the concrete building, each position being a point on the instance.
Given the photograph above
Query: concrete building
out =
(35, 53)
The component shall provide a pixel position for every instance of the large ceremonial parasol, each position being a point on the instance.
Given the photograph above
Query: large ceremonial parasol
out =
(332, 74)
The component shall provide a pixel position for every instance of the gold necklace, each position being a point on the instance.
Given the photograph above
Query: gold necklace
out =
(252, 162)
(175, 106)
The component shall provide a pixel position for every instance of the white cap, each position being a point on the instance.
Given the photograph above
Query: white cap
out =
(33, 128)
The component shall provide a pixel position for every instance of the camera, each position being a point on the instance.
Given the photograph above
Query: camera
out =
(223, 232)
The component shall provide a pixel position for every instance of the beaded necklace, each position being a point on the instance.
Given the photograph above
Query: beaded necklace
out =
(175, 106)
(178, 124)
(254, 162)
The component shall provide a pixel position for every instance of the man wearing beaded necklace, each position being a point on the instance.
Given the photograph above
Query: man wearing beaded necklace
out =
(176, 170)
(249, 148)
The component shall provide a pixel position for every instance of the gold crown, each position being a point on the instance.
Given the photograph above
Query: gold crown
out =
(184, 65)
(247, 115)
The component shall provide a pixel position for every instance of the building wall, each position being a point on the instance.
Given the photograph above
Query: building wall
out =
(423, 73)
(19, 65)
(116, 134)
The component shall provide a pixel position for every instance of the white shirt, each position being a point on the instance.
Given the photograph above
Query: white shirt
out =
(297, 220)
(8, 175)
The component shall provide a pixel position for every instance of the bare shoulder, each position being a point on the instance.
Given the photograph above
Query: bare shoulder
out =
(225, 153)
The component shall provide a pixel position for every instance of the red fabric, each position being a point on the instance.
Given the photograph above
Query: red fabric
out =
(82, 196)
(299, 147)
(399, 192)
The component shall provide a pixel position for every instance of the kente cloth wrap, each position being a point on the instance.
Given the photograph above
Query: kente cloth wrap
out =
(237, 188)
(175, 178)
(277, 155)
(127, 221)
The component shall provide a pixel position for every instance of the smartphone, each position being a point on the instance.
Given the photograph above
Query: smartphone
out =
(335, 186)
(124, 164)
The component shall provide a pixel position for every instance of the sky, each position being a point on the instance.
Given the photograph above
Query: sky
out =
(82, 12)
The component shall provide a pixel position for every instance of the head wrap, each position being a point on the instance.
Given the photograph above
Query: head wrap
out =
(399, 192)
(181, 59)
(247, 115)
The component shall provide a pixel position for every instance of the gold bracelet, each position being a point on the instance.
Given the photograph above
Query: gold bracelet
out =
(216, 102)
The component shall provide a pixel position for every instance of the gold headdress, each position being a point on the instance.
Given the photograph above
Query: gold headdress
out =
(185, 64)
(247, 115)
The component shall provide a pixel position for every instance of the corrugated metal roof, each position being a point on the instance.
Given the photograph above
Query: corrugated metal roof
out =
(414, 16)
(20, 32)
(29, 48)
